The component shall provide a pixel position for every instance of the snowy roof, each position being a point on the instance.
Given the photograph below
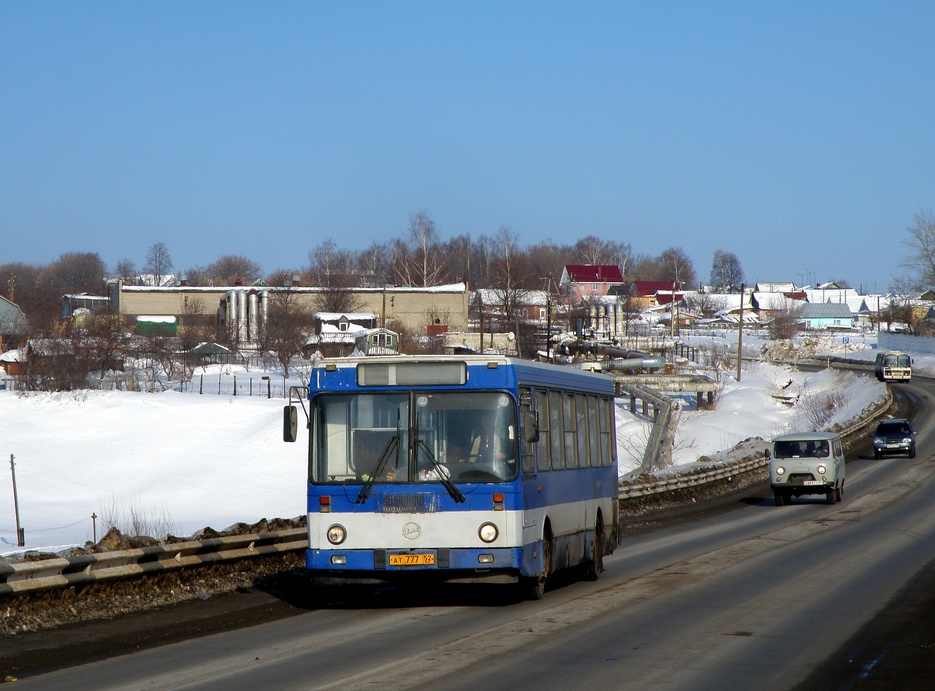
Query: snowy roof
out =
(847, 296)
(352, 328)
(350, 316)
(774, 301)
(16, 355)
(493, 296)
(647, 288)
(155, 319)
(778, 287)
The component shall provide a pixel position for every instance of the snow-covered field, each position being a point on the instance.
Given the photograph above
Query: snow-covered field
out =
(178, 462)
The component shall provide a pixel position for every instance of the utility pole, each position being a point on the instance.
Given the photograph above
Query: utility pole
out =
(548, 318)
(740, 335)
(20, 533)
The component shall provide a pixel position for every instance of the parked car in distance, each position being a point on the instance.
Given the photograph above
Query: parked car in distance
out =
(806, 463)
(894, 436)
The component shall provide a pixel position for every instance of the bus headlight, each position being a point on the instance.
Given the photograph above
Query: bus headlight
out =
(488, 532)
(336, 534)
(821, 470)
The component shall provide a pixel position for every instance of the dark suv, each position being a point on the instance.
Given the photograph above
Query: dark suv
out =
(894, 436)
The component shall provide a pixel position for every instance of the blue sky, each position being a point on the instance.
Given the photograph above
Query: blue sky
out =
(798, 135)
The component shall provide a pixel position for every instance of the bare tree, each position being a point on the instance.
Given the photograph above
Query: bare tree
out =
(286, 326)
(593, 250)
(726, 272)
(126, 270)
(623, 258)
(646, 268)
(705, 304)
(920, 246)
(193, 328)
(459, 253)
(400, 263)
(372, 265)
(231, 268)
(104, 346)
(677, 267)
(158, 263)
(547, 258)
(332, 267)
(510, 273)
(334, 272)
(79, 272)
(784, 321)
(426, 254)
(282, 277)
(197, 276)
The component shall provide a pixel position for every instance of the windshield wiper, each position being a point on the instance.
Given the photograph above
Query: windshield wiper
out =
(443, 473)
(391, 444)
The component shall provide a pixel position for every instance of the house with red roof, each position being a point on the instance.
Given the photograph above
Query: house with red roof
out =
(583, 281)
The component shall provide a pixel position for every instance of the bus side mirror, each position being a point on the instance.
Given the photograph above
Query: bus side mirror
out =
(531, 427)
(290, 423)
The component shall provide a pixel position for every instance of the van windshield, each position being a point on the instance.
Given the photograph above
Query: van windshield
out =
(801, 449)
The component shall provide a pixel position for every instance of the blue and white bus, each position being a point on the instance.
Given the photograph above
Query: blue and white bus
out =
(464, 469)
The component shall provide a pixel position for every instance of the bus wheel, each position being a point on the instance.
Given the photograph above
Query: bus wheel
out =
(535, 585)
(594, 567)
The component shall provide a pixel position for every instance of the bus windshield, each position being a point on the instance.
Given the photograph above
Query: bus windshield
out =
(413, 436)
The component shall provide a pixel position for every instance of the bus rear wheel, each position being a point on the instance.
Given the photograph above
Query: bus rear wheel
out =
(593, 569)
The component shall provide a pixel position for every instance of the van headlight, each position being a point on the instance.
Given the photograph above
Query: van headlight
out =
(780, 470)
(821, 470)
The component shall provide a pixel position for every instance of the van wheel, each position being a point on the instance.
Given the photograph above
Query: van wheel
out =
(912, 452)
(839, 492)
(779, 498)
(877, 454)
(831, 496)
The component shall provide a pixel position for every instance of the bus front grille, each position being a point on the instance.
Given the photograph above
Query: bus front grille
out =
(409, 503)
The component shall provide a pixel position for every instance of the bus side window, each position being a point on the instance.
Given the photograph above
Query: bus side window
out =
(543, 447)
(527, 448)
(608, 433)
(583, 431)
(594, 436)
(556, 430)
(569, 419)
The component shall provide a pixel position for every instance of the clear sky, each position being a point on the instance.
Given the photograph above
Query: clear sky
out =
(798, 135)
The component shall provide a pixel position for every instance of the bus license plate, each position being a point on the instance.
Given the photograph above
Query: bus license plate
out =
(412, 559)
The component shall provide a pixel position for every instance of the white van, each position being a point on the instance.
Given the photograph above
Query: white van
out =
(806, 463)
(893, 366)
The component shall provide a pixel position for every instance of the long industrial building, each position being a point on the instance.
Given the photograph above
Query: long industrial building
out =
(243, 309)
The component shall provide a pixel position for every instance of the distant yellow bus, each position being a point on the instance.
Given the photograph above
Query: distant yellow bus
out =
(893, 366)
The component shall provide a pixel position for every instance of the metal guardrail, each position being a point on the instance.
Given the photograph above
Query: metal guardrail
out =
(693, 480)
(61, 572)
